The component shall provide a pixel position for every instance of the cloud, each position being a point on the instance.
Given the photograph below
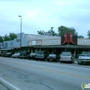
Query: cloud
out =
(43, 14)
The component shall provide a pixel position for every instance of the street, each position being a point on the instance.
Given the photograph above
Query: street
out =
(22, 74)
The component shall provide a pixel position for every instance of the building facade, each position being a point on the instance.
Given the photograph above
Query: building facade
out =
(54, 44)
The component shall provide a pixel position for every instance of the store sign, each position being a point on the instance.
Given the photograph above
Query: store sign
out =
(85, 41)
(69, 38)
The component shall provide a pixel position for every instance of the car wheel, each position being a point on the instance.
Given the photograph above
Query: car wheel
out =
(60, 61)
(57, 60)
(79, 63)
(72, 61)
(36, 59)
(45, 59)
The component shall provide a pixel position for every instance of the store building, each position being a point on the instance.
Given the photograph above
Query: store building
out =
(50, 44)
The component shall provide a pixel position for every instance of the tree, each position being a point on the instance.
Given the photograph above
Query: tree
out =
(6, 38)
(12, 36)
(62, 30)
(41, 32)
(80, 36)
(50, 32)
(1, 39)
(88, 33)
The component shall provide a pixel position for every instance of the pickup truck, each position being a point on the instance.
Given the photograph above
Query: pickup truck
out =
(84, 59)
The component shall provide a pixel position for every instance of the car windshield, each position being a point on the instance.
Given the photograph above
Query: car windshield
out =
(32, 53)
(52, 54)
(8, 53)
(40, 52)
(17, 53)
(84, 54)
(65, 54)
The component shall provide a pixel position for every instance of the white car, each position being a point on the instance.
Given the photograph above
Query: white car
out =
(15, 55)
(84, 59)
(66, 57)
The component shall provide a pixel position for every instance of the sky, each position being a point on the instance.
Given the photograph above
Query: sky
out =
(44, 14)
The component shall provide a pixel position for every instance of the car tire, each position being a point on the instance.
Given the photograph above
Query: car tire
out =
(60, 61)
(57, 60)
(72, 61)
(36, 59)
(79, 63)
(45, 59)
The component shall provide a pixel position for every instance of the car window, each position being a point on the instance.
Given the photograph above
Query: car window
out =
(52, 54)
(65, 53)
(32, 53)
(40, 52)
(84, 54)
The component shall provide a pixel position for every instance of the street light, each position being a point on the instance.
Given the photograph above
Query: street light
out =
(20, 31)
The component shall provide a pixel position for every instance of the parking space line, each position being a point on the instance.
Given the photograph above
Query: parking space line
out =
(9, 84)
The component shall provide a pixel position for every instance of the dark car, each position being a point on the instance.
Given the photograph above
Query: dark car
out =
(53, 57)
(3, 53)
(41, 55)
(32, 56)
(23, 54)
(8, 54)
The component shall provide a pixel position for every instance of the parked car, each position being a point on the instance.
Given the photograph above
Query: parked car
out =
(32, 56)
(0, 53)
(23, 54)
(15, 55)
(84, 59)
(66, 57)
(53, 57)
(27, 55)
(3, 53)
(8, 54)
(41, 55)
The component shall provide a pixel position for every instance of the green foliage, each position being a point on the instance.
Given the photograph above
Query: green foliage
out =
(1, 39)
(9, 37)
(62, 30)
(50, 32)
(88, 34)
(6, 38)
(12, 36)
(80, 36)
(41, 32)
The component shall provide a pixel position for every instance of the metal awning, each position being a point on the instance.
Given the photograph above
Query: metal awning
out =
(6, 49)
(54, 46)
(62, 46)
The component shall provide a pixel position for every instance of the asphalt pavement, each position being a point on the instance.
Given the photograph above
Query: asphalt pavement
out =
(22, 74)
